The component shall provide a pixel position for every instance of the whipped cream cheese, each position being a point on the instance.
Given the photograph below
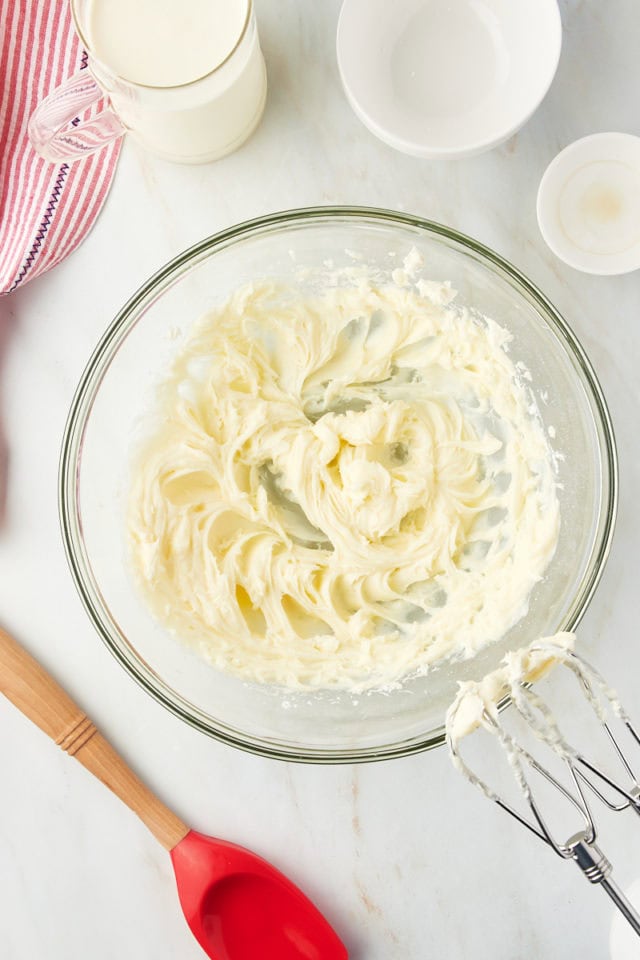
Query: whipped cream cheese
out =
(342, 488)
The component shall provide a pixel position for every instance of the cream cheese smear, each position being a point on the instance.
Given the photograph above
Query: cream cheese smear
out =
(342, 487)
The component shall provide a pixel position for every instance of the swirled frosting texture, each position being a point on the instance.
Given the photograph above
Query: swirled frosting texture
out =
(342, 488)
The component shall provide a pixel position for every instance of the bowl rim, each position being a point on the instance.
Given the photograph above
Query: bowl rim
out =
(493, 136)
(89, 384)
(608, 146)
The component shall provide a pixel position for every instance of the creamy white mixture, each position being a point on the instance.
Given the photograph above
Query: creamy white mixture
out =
(342, 489)
(161, 43)
(168, 46)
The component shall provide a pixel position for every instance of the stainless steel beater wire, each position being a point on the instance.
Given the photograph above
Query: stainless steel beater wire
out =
(618, 749)
(616, 807)
(517, 754)
(580, 805)
(522, 820)
(527, 702)
(583, 845)
(631, 800)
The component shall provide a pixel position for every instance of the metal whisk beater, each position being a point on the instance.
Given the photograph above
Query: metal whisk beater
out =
(581, 847)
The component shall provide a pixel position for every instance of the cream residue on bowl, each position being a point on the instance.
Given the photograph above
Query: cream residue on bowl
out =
(341, 488)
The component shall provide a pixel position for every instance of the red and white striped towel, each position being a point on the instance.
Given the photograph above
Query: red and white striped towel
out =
(46, 209)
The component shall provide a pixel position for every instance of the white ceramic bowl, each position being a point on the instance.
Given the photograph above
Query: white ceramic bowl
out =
(589, 204)
(444, 78)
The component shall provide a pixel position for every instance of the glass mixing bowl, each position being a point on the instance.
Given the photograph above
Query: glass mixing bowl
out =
(118, 387)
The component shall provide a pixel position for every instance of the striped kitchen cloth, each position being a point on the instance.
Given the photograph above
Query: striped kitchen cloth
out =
(46, 209)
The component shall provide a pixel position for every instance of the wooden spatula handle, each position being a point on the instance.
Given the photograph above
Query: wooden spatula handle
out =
(34, 692)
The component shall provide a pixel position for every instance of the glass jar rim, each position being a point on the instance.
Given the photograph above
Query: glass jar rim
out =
(146, 86)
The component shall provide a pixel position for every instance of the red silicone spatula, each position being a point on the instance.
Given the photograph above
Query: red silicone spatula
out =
(238, 906)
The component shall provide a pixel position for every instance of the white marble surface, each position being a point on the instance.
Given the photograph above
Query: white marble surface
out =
(406, 860)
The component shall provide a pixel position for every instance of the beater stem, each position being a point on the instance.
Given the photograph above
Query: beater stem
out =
(597, 869)
(623, 905)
